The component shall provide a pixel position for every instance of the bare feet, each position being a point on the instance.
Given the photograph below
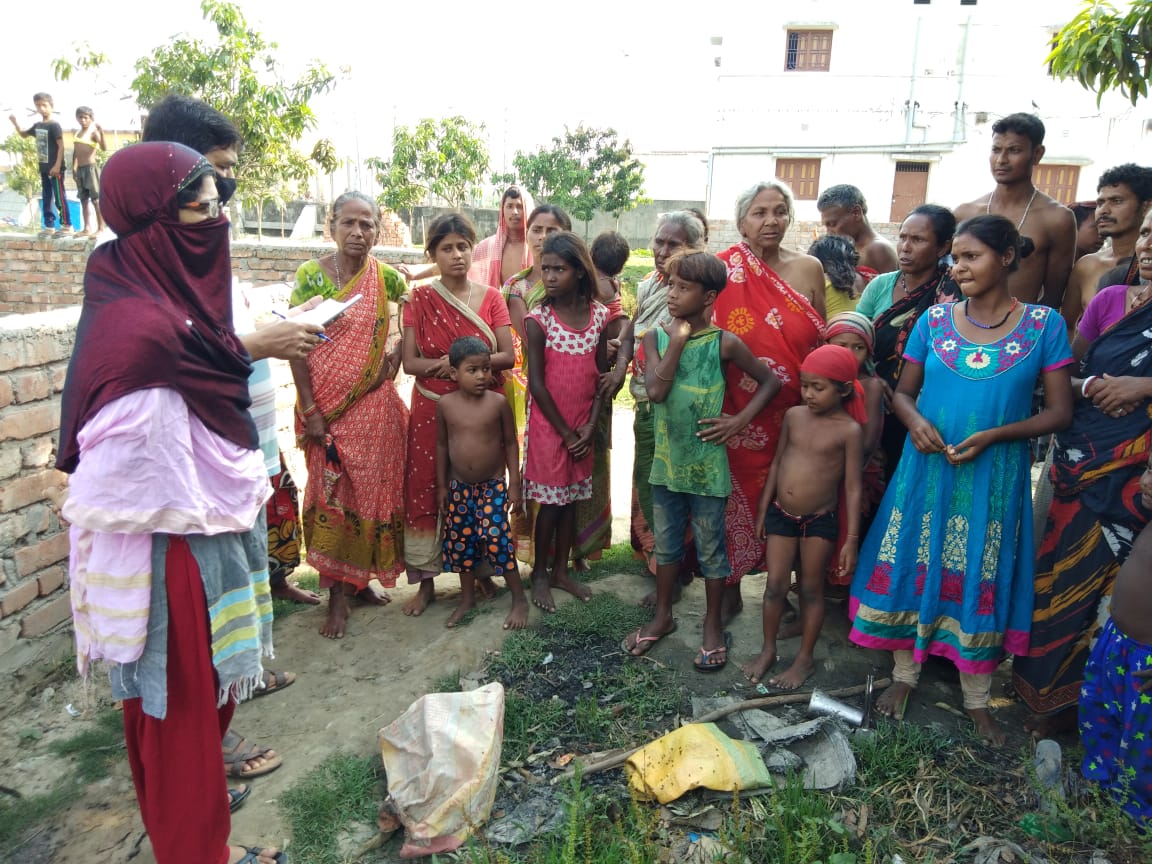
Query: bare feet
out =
(465, 606)
(542, 592)
(988, 728)
(271, 855)
(423, 599)
(799, 672)
(759, 665)
(649, 599)
(732, 604)
(1047, 725)
(893, 702)
(581, 565)
(518, 618)
(373, 594)
(565, 582)
(338, 612)
(293, 593)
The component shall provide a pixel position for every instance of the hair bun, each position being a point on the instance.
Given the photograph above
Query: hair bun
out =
(1026, 247)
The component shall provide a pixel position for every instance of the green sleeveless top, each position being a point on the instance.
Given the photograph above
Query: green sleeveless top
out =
(681, 461)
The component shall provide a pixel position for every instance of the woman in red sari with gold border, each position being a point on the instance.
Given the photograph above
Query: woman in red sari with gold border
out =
(435, 316)
(350, 421)
(774, 301)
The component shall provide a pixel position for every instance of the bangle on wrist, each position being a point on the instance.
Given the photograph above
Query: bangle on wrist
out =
(1084, 385)
(656, 372)
(309, 411)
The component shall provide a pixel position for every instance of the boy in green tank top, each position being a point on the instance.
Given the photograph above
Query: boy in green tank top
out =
(686, 361)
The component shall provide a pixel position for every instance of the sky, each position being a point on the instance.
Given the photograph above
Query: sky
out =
(524, 70)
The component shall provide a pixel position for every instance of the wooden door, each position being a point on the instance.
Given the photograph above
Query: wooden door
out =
(1059, 181)
(909, 189)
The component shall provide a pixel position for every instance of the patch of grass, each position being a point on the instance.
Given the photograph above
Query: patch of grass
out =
(605, 615)
(645, 691)
(306, 578)
(619, 558)
(522, 652)
(343, 790)
(96, 749)
(447, 683)
(529, 724)
(894, 751)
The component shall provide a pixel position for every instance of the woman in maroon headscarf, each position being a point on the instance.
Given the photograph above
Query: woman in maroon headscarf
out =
(167, 482)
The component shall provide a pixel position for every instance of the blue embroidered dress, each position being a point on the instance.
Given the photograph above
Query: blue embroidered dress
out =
(947, 566)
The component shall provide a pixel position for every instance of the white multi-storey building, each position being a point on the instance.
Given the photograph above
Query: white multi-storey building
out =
(898, 97)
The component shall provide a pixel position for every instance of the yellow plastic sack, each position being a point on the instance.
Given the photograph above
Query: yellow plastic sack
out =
(442, 758)
(696, 756)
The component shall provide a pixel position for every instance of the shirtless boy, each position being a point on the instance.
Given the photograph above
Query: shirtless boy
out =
(1116, 699)
(1123, 197)
(475, 448)
(844, 211)
(820, 448)
(1017, 148)
(85, 143)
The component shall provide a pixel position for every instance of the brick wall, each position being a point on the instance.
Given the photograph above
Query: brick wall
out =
(722, 234)
(34, 352)
(37, 275)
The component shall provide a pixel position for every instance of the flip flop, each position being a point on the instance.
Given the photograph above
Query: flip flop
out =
(274, 682)
(237, 797)
(702, 663)
(645, 642)
(237, 751)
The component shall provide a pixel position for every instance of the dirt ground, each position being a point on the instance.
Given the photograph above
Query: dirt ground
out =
(347, 690)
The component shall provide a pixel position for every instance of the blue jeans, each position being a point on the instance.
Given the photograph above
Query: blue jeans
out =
(671, 512)
(48, 198)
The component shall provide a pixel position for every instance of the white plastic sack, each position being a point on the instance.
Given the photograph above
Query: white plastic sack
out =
(442, 757)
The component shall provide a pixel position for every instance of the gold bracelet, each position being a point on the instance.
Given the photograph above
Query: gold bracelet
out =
(309, 411)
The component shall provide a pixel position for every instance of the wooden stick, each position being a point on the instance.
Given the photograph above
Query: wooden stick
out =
(785, 699)
(615, 761)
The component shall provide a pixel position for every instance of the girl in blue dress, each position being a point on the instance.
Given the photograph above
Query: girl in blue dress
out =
(947, 566)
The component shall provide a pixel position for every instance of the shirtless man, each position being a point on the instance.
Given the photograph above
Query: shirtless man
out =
(1017, 148)
(1124, 195)
(844, 211)
(85, 143)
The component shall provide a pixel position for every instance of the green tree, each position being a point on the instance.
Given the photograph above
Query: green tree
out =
(585, 171)
(1107, 49)
(446, 158)
(24, 175)
(237, 74)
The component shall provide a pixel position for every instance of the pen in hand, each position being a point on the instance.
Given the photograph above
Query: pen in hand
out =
(286, 318)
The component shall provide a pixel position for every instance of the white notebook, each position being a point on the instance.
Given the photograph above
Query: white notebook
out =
(327, 311)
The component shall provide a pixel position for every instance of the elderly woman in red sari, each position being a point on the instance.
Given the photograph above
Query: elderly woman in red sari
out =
(435, 316)
(774, 301)
(350, 421)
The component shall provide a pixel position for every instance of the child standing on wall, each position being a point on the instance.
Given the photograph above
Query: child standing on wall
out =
(50, 153)
(820, 449)
(85, 143)
(690, 480)
(478, 478)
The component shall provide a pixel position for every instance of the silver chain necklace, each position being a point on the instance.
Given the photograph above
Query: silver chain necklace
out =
(1020, 224)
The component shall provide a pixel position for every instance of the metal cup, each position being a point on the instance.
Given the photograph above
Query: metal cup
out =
(822, 703)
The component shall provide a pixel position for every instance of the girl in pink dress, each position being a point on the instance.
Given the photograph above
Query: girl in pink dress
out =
(567, 351)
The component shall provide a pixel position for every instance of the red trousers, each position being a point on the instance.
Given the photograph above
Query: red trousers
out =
(177, 763)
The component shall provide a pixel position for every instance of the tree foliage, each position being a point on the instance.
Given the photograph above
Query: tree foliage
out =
(24, 175)
(446, 158)
(584, 171)
(1107, 49)
(237, 74)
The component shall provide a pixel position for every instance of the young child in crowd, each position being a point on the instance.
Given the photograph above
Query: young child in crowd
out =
(50, 153)
(690, 480)
(1116, 699)
(566, 339)
(854, 331)
(820, 449)
(85, 143)
(610, 253)
(475, 448)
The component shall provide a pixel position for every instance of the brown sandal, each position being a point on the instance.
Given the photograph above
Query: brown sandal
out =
(274, 682)
(237, 752)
